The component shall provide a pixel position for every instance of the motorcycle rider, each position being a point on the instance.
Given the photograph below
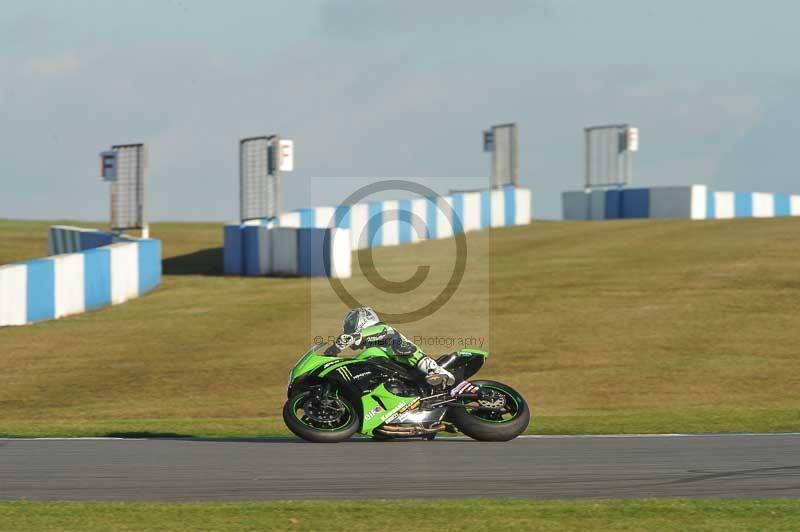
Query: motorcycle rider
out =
(362, 328)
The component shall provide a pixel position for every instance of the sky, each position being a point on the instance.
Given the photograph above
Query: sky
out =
(377, 89)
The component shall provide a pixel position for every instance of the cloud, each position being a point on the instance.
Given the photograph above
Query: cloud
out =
(380, 89)
(53, 65)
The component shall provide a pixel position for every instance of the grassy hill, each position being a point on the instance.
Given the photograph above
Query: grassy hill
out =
(621, 326)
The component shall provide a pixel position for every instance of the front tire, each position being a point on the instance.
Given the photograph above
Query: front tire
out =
(310, 426)
(484, 424)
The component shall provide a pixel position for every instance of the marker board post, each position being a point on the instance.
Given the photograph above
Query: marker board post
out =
(124, 167)
(261, 161)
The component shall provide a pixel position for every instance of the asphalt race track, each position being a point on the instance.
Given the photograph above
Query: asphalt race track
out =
(281, 468)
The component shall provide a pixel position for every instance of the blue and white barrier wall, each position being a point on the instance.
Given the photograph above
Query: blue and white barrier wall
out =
(380, 223)
(90, 277)
(293, 251)
(694, 202)
(66, 239)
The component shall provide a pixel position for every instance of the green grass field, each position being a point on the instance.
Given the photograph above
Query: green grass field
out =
(622, 326)
(354, 516)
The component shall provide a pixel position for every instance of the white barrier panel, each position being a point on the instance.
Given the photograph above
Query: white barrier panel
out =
(522, 213)
(340, 253)
(13, 295)
(794, 205)
(763, 205)
(283, 256)
(699, 199)
(289, 219)
(498, 208)
(444, 215)
(419, 227)
(69, 281)
(390, 227)
(359, 215)
(471, 216)
(124, 272)
(324, 217)
(724, 205)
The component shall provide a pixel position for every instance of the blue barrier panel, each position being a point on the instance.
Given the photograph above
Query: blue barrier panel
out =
(635, 203)
(41, 290)
(251, 250)
(91, 240)
(97, 278)
(327, 252)
(311, 253)
(613, 204)
(783, 205)
(711, 206)
(341, 216)
(486, 208)
(743, 204)
(404, 220)
(375, 224)
(307, 218)
(458, 213)
(510, 205)
(430, 216)
(149, 264)
(232, 253)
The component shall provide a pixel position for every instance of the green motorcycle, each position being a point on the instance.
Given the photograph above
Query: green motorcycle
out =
(331, 398)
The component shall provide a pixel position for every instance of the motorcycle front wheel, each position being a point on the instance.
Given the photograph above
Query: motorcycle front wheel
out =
(500, 415)
(328, 419)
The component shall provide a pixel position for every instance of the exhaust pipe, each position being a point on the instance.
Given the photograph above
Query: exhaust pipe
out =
(407, 431)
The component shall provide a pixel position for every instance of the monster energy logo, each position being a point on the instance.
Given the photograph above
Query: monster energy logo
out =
(344, 371)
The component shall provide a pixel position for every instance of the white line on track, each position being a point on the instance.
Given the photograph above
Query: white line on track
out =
(525, 436)
(690, 435)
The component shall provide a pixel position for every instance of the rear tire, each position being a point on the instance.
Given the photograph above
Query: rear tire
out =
(485, 430)
(310, 433)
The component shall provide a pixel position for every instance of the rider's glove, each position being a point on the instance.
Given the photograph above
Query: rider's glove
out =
(343, 341)
(356, 343)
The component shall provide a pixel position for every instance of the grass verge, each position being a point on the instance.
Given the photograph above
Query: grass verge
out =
(618, 326)
(683, 421)
(421, 516)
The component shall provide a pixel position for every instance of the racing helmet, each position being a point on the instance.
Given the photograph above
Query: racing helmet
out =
(358, 319)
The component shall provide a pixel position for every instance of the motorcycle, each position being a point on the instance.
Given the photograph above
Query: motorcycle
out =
(331, 398)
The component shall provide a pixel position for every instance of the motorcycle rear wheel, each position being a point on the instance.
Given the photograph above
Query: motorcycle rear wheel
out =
(484, 424)
(310, 428)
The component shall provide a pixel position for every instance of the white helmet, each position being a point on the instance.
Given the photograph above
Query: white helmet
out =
(358, 319)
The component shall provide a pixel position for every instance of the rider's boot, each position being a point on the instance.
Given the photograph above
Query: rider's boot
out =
(435, 375)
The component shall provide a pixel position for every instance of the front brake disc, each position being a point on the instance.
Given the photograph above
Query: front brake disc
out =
(493, 401)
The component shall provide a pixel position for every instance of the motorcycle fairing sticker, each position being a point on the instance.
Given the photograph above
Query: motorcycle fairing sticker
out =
(373, 412)
(400, 410)
(345, 372)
